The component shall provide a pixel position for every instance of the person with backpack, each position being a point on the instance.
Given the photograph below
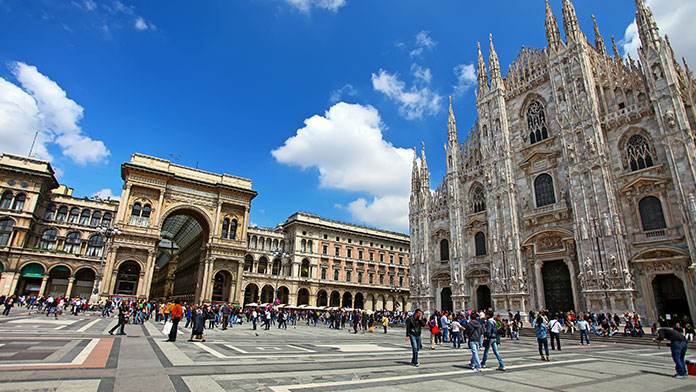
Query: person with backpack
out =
(491, 339)
(474, 332)
(542, 337)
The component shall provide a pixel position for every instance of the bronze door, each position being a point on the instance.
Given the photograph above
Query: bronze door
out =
(558, 291)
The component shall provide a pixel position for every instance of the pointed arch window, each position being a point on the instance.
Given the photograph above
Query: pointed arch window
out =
(638, 153)
(233, 229)
(145, 215)
(6, 226)
(444, 250)
(536, 123)
(18, 204)
(543, 190)
(478, 200)
(6, 200)
(225, 228)
(651, 214)
(480, 243)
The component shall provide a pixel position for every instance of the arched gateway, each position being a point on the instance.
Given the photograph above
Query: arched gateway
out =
(183, 228)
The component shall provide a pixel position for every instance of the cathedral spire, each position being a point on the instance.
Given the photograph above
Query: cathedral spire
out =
(614, 47)
(451, 125)
(570, 22)
(425, 176)
(647, 28)
(415, 176)
(553, 36)
(482, 72)
(496, 78)
(599, 41)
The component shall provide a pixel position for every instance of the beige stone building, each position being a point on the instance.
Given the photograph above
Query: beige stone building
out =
(183, 233)
(575, 189)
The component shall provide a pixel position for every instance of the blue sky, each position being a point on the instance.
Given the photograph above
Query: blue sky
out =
(317, 101)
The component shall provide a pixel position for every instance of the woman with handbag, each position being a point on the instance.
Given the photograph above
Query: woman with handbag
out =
(434, 330)
(198, 326)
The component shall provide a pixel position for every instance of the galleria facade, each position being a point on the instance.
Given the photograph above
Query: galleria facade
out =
(183, 233)
(575, 189)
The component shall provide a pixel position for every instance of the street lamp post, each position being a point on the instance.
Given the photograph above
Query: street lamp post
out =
(109, 233)
(279, 255)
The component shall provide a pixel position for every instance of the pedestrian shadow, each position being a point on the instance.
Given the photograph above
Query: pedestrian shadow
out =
(655, 373)
(402, 363)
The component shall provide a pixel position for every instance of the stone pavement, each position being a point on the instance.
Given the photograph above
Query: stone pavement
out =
(39, 353)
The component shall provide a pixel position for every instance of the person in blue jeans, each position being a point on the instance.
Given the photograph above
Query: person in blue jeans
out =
(491, 335)
(542, 337)
(444, 327)
(474, 332)
(413, 334)
(455, 333)
(583, 327)
(677, 346)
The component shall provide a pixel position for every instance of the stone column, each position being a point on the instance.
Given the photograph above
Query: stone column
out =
(159, 206)
(71, 281)
(122, 214)
(238, 293)
(573, 286)
(7, 282)
(541, 303)
(43, 285)
(216, 222)
(149, 273)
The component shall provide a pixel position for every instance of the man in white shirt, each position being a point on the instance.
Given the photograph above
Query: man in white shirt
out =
(583, 327)
(555, 329)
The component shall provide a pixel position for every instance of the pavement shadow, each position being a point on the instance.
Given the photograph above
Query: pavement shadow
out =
(656, 373)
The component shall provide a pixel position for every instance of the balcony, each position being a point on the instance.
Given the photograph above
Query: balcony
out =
(668, 234)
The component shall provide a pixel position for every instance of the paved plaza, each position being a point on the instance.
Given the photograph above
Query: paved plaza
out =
(38, 353)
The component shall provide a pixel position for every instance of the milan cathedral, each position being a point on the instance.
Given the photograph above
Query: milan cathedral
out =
(575, 189)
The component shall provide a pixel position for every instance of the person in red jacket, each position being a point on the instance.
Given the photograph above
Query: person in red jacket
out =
(177, 313)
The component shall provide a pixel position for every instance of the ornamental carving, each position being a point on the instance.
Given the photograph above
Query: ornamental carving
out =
(549, 243)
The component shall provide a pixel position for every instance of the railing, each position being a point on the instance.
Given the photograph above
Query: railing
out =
(668, 233)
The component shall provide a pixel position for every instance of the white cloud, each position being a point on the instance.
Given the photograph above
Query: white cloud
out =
(423, 41)
(466, 78)
(413, 102)
(90, 5)
(40, 105)
(105, 194)
(386, 212)
(338, 94)
(140, 23)
(306, 5)
(675, 19)
(347, 148)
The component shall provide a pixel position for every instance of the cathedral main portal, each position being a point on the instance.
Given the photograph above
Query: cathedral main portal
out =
(558, 291)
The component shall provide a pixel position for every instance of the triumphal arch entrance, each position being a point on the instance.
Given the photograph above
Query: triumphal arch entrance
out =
(183, 233)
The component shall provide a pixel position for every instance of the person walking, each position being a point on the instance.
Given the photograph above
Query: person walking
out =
(583, 327)
(677, 346)
(9, 303)
(198, 326)
(122, 310)
(542, 337)
(413, 334)
(385, 322)
(474, 332)
(555, 329)
(491, 339)
(444, 322)
(177, 312)
(226, 313)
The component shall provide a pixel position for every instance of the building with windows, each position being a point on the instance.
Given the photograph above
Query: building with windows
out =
(327, 263)
(183, 233)
(49, 241)
(575, 189)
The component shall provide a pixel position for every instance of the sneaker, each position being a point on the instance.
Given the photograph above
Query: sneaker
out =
(416, 364)
(484, 366)
(678, 376)
(548, 359)
(502, 369)
(476, 370)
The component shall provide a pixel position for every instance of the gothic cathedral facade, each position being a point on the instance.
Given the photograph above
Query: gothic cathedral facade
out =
(575, 189)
